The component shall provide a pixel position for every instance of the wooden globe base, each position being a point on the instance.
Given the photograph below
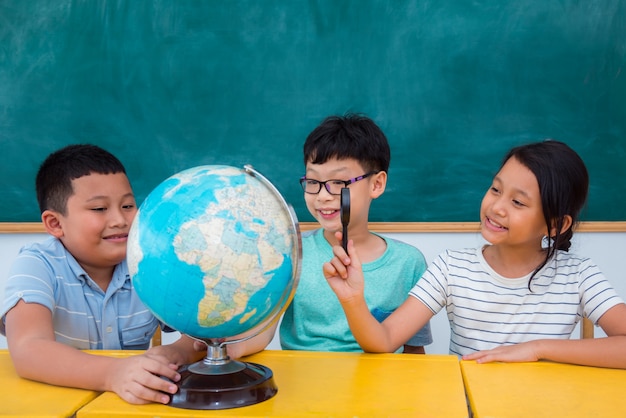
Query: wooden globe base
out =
(231, 385)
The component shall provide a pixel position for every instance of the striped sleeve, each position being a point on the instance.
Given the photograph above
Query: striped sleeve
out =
(431, 289)
(596, 294)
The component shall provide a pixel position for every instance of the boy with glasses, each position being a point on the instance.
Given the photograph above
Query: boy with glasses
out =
(347, 152)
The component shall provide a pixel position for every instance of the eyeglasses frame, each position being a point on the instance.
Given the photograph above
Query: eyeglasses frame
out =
(323, 183)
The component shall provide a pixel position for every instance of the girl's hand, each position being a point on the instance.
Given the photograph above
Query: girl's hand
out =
(523, 352)
(185, 350)
(199, 346)
(344, 272)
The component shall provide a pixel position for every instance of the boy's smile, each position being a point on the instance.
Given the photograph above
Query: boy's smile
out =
(97, 220)
(325, 207)
(328, 213)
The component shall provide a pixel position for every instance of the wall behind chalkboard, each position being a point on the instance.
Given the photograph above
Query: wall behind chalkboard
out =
(171, 84)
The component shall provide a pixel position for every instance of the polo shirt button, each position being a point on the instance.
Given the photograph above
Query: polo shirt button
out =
(109, 329)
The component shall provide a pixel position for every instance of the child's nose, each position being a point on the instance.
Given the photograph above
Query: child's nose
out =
(117, 218)
(498, 206)
(324, 194)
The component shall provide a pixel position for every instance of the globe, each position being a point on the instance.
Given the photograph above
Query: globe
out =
(214, 252)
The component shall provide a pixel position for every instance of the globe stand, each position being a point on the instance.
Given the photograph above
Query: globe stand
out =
(217, 382)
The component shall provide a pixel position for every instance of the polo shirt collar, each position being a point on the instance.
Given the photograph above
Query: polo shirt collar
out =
(120, 279)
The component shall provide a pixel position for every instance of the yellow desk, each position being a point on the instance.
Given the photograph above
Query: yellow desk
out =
(544, 389)
(21, 397)
(332, 384)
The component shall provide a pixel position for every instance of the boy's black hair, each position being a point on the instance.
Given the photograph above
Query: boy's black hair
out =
(563, 186)
(54, 178)
(350, 136)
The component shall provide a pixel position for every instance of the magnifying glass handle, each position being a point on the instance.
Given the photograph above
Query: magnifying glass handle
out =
(345, 216)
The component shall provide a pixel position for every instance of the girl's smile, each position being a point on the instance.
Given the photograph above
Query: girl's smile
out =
(490, 223)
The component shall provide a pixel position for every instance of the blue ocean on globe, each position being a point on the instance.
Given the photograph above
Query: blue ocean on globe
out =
(213, 252)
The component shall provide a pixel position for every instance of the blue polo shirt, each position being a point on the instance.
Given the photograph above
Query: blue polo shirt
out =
(84, 316)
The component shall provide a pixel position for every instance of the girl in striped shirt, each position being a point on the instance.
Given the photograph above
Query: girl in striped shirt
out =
(517, 298)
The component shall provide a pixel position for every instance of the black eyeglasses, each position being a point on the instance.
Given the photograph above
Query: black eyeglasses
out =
(332, 186)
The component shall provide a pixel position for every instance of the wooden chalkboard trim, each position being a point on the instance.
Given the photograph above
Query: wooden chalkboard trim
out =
(21, 228)
(382, 227)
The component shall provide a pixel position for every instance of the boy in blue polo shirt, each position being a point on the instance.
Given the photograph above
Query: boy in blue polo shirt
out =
(73, 291)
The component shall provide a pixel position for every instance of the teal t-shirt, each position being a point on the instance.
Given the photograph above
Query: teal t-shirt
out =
(315, 319)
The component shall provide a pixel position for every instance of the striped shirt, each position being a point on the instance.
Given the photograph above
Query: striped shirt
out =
(84, 316)
(486, 310)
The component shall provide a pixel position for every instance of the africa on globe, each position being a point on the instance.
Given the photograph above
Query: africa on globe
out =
(214, 251)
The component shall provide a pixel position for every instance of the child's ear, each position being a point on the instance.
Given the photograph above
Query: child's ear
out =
(52, 223)
(567, 224)
(379, 184)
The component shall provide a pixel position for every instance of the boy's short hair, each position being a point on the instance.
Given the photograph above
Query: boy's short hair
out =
(350, 136)
(54, 178)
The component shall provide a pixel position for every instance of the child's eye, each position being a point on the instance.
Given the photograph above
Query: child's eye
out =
(518, 203)
(494, 189)
(131, 206)
(98, 209)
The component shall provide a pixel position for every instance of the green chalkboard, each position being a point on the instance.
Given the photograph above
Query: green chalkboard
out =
(171, 84)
